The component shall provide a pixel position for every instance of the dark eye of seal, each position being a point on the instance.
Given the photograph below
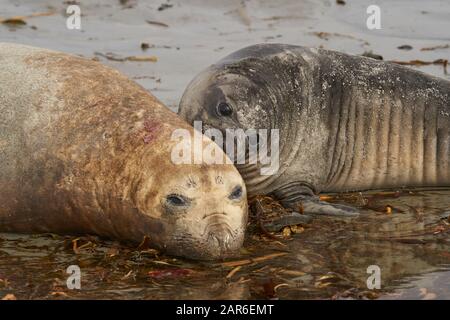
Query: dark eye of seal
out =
(236, 193)
(224, 109)
(176, 200)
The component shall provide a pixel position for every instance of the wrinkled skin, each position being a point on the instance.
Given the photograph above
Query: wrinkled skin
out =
(85, 150)
(346, 122)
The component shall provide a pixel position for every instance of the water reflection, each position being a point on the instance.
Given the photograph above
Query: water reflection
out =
(329, 259)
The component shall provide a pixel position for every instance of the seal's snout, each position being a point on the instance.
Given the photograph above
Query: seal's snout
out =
(221, 239)
(221, 235)
(222, 242)
(224, 226)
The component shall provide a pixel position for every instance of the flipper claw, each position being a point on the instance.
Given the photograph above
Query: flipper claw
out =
(302, 197)
(317, 207)
(288, 219)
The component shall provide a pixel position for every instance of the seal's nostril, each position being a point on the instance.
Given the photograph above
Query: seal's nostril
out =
(221, 239)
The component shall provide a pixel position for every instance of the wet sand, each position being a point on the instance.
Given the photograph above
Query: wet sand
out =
(201, 32)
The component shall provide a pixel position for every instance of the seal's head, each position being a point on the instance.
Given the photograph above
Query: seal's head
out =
(227, 96)
(207, 212)
(243, 90)
(246, 90)
(193, 208)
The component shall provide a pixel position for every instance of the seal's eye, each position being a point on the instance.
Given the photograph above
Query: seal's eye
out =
(236, 193)
(176, 200)
(224, 109)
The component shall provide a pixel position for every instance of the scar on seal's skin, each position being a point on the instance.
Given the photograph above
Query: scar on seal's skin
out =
(219, 179)
(151, 128)
(191, 183)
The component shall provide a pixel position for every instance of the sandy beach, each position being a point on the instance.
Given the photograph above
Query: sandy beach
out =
(187, 36)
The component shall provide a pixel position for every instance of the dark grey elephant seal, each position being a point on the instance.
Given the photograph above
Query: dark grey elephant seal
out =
(83, 150)
(346, 122)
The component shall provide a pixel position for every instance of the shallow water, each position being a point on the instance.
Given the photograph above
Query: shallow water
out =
(328, 260)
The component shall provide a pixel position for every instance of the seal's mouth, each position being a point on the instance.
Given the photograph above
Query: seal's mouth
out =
(220, 237)
(217, 241)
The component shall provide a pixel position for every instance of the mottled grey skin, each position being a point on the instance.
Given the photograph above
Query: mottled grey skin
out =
(84, 150)
(346, 122)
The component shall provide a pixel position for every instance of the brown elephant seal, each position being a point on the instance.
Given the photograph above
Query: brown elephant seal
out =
(345, 122)
(83, 149)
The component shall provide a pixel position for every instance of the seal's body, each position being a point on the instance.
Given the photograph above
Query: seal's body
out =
(85, 150)
(346, 122)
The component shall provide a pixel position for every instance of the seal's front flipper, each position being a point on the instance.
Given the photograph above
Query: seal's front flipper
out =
(301, 196)
(271, 216)
(318, 207)
(286, 220)
(314, 206)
